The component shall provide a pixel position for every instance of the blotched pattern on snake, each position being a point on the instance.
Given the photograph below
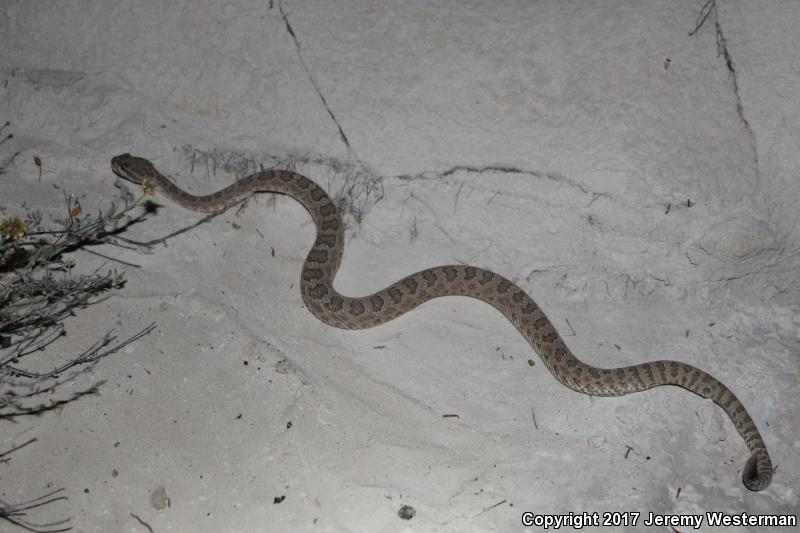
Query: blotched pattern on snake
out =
(400, 297)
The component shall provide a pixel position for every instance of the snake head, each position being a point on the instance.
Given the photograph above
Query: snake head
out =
(135, 169)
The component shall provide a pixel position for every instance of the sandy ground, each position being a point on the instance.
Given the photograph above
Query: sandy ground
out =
(639, 182)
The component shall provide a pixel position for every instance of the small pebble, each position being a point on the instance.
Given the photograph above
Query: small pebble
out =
(407, 512)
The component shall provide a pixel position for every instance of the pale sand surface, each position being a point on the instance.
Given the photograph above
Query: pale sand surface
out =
(595, 153)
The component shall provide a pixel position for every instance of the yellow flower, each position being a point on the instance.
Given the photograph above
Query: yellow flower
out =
(12, 228)
(148, 187)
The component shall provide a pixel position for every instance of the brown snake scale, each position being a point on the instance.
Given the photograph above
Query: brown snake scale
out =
(400, 297)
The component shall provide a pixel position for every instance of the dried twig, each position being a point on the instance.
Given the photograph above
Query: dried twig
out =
(16, 513)
(145, 524)
(97, 351)
(15, 448)
(147, 244)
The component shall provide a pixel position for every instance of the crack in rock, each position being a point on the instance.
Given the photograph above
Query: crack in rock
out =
(504, 169)
(709, 8)
(311, 76)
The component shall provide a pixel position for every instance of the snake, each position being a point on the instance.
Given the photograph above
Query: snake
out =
(353, 313)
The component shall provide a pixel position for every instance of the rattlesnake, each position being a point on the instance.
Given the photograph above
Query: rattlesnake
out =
(400, 297)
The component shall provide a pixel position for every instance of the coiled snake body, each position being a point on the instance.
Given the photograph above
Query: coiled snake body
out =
(400, 297)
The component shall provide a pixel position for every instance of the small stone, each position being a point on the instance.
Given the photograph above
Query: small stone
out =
(597, 441)
(159, 499)
(407, 512)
